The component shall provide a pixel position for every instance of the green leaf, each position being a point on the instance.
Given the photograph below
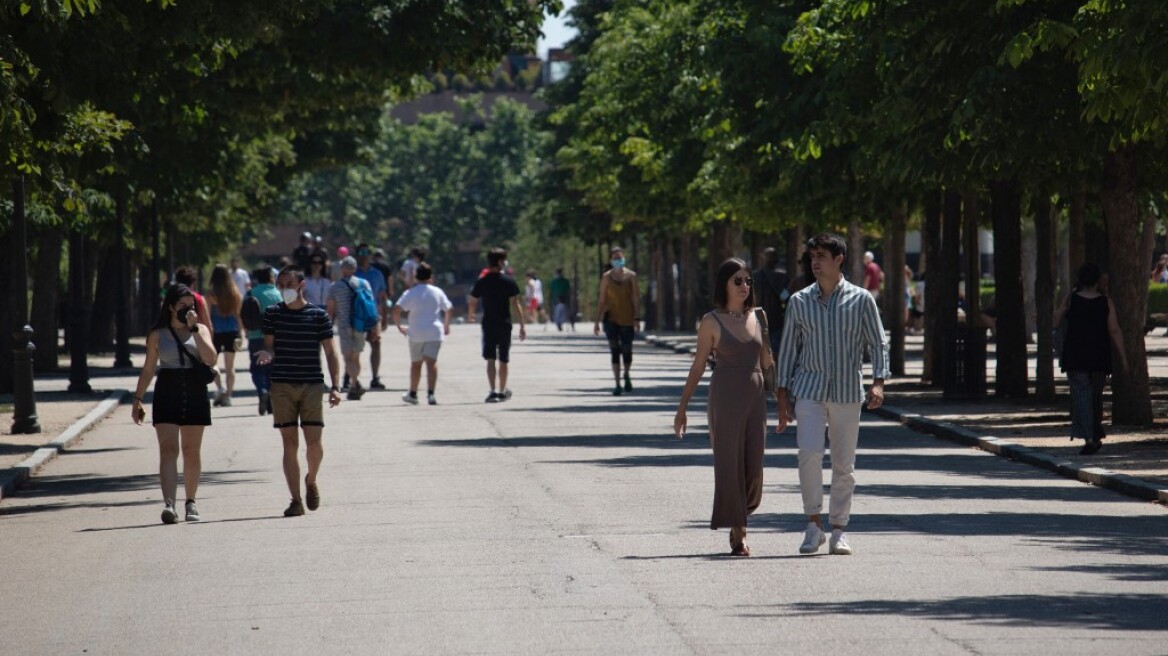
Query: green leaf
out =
(25, 8)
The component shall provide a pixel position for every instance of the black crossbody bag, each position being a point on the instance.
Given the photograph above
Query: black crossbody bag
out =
(203, 371)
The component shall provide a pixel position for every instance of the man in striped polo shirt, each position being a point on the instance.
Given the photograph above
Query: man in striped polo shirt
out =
(828, 327)
(294, 332)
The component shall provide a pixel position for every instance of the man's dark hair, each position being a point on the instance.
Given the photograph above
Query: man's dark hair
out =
(424, 272)
(770, 257)
(419, 253)
(614, 250)
(262, 275)
(186, 275)
(496, 257)
(363, 247)
(294, 271)
(1089, 274)
(829, 242)
(726, 271)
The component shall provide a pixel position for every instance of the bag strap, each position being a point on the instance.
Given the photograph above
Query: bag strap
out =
(760, 316)
(182, 348)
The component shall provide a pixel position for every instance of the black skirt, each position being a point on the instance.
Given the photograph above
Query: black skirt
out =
(179, 398)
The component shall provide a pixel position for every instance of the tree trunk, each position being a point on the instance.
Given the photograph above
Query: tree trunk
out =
(894, 304)
(975, 346)
(668, 293)
(46, 298)
(1128, 287)
(1006, 208)
(950, 252)
(78, 314)
(794, 237)
(1076, 234)
(9, 310)
(101, 329)
(1098, 240)
(690, 290)
(1044, 293)
(1029, 273)
(656, 320)
(932, 276)
(855, 271)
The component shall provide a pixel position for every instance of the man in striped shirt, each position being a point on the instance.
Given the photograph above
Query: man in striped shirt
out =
(294, 332)
(828, 327)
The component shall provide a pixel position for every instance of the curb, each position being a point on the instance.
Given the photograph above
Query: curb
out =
(14, 477)
(1122, 483)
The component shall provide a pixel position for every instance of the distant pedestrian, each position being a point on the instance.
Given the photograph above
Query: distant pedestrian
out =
(316, 282)
(829, 325)
(873, 275)
(499, 293)
(533, 295)
(770, 294)
(240, 276)
(266, 295)
(409, 267)
(617, 310)
(560, 292)
(377, 282)
(187, 276)
(340, 310)
(378, 262)
(737, 400)
(181, 408)
(1092, 331)
(225, 302)
(295, 331)
(429, 310)
(303, 251)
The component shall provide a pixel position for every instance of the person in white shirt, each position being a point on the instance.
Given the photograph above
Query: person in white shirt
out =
(429, 325)
(409, 268)
(240, 277)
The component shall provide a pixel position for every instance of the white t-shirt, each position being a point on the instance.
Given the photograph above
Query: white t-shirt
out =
(427, 306)
(242, 280)
(409, 269)
(535, 290)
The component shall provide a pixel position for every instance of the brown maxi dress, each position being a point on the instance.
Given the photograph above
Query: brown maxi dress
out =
(737, 419)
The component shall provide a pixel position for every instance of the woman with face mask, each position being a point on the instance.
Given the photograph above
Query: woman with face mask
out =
(617, 310)
(180, 406)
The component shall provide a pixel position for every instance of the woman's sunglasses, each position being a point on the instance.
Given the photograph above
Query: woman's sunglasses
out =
(738, 280)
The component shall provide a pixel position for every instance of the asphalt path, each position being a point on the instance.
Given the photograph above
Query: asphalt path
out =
(563, 521)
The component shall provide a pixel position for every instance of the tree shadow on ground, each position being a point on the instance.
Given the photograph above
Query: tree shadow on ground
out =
(1136, 573)
(81, 485)
(1117, 612)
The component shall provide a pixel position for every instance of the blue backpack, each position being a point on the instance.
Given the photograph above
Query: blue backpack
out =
(363, 314)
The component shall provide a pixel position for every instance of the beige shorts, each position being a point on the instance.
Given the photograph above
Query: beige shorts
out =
(424, 350)
(352, 341)
(297, 404)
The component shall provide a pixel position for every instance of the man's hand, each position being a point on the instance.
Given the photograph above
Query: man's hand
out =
(596, 329)
(263, 358)
(875, 396)
(786, 412)
(446, 330)
(679, 423)
(401, 329)
(334, 398)
(522, 332)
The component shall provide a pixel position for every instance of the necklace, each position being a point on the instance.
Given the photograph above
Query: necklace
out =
(736, 315)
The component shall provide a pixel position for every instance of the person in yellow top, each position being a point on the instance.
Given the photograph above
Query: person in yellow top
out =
(617, 309)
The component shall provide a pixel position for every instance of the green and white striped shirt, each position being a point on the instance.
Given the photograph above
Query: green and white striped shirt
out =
(824, 340)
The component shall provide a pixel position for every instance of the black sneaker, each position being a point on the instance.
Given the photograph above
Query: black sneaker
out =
(1091, 447)
(295, 509)
(376, 384)
(312, 496)
(505, 395)
(491, 398)
(356, 392)
(628, 383)
(618, 390)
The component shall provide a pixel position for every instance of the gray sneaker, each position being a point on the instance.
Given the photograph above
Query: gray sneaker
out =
(169, 516)
(813, 539)
(192, 514)
(412, 399)
(431, 400)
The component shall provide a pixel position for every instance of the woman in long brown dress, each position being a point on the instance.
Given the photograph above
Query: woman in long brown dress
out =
(737, 402)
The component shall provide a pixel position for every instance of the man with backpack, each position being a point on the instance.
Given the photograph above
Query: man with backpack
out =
(372, 275)
(353, 309)
(262, 295)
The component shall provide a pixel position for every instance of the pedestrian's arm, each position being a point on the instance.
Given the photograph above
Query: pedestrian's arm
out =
(707, 338)
(330, 307)
(601, 304)
(446, 320)
(144, 378)
(383, 308)
(329, 344)
(397, 318)
(636, 302)
(1116, 335)
(518, 304)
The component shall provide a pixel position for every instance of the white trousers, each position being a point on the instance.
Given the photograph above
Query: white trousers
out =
(842, 421)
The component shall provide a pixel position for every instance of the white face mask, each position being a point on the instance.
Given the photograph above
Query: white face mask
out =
(289, 295)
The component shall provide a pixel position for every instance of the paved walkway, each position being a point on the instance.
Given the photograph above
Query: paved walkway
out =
(564, 521)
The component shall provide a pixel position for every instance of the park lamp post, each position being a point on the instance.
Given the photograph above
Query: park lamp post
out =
(24, 414)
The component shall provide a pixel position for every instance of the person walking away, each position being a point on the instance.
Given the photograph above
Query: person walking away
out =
(266, 295)
(316, 282)
(617, 309)
(295, 331)
(303, 251)
(378, 262)
(533, 293)
(829, 325)
(181, 410)
(380, 287)
(873, 275)
(340, 311)
(225, 303)
(409, 267)
(240, 277)
(430, 312)
(499, 293)
(736, 408)
(560, 290)
(770, 293)
(1092, 331)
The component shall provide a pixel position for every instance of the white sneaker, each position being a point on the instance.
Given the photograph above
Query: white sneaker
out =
(192, 511)
(839, 543)
(412, 399)
(813, 539)
(169, 516)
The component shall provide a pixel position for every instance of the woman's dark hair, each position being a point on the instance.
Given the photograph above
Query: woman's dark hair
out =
(173, 293)
(292, 270)
(186, 275)
(424, 272)
(832, 243)
(1089, 274)
(725, 272)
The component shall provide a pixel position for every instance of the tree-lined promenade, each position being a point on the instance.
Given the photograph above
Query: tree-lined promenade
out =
(691, 122)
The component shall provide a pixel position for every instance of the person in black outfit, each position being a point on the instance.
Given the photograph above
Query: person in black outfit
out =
(498, 293)
(302, 253)
(770, 293)
(1091, 331)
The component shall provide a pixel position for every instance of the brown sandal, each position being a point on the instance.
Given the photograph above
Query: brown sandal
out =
(740, 550)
